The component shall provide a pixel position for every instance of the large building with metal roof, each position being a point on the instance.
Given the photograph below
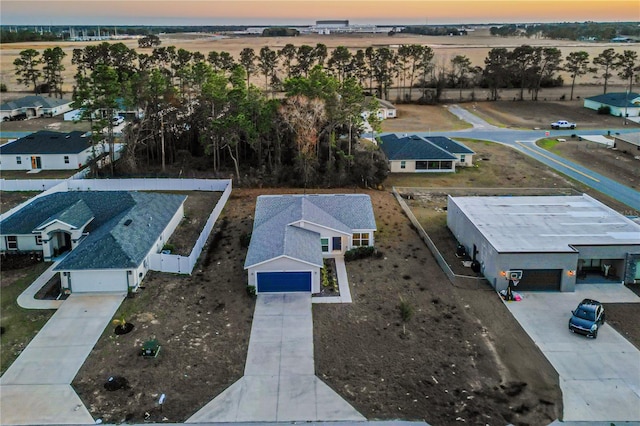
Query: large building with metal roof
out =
(554, 242)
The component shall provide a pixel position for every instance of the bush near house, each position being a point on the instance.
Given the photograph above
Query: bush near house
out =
(361, 253)
(604, 110)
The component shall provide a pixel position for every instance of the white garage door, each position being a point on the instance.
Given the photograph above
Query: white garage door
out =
(98, 281)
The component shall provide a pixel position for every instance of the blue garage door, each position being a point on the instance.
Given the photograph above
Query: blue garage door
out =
(269, 282)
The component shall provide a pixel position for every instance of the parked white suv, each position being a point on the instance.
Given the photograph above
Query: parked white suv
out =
(117, 120)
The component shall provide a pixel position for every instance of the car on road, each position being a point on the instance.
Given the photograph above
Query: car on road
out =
(563, 124)
(117, 120)
(587, 318)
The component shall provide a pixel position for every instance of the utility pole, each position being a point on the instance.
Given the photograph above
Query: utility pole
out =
(162, 138)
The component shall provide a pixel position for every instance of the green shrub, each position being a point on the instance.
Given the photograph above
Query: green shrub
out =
(245, 239)
(3, 87)
(359, 253)
(604, 110)
(406, 310)
(169, 247)
(251, 291)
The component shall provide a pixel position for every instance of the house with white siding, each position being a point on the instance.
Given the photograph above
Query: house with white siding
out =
(292, 234)
(416, 154)
(619, 103)
(34, 107)
(103, 240)
(47, 150)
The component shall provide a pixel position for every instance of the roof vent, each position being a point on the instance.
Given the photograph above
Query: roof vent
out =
(127, 222)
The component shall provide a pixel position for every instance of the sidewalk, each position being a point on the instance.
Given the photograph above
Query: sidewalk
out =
(343, 286)
(26, 300)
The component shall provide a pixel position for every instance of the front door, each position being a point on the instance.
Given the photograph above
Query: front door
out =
(36, 163)
(337, 243)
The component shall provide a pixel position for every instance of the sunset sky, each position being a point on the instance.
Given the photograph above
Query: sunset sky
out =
(305, 12)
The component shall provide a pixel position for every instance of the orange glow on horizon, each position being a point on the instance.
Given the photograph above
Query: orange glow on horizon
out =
(306, 12)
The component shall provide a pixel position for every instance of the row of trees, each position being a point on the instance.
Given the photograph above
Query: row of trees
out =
(377, 69)
(197, 114)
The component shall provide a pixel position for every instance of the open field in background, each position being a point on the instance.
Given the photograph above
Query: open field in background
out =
(474, 46)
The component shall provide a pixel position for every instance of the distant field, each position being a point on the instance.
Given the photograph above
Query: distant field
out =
(474, 46)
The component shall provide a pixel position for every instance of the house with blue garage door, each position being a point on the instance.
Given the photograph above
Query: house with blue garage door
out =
(292, 234)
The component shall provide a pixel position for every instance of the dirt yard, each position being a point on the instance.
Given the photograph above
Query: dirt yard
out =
(55, 124)
(615, 165)
(530, 114)
(423, 118)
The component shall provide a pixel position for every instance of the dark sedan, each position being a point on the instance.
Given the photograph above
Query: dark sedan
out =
(587, 318)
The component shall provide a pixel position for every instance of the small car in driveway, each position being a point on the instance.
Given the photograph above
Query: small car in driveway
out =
(117, 120)
(587, 318)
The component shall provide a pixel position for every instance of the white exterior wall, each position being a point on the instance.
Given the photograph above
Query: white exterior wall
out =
(390, 112)
(8, 114)
(60, 109)
(10, 162)
(109, 280)
(285, 264)
(410, 167)
(326, 233)
(25, 243)
(468, 160)
(615, 111)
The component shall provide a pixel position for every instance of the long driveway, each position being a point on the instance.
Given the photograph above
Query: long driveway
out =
(524, 141)
(36, 389)
(599, 378)
(279, 382)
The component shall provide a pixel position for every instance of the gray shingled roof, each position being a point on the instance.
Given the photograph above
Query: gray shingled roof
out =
(47, 142)
(113, 242)
(274, 236)
(32, 102)
(75, 215)
(412, 148)
(449, 145)
(617, 99)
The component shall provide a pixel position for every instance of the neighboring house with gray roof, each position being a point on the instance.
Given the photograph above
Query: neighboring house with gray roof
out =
(619, 103)
(46, 150)
(106, 236)
(416, 154)
(34, 106)
(292, 234)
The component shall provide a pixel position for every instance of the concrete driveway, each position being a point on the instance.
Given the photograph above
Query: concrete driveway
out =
(36, 389)
(599, 378)
(279, 383)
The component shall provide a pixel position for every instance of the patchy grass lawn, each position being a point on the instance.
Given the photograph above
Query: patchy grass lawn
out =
(9, 200)
(18, 325)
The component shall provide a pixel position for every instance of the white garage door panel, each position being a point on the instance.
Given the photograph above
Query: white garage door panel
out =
(98, 281)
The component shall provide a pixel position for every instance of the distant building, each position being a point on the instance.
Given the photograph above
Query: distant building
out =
(620, 103)
(33, 107)
(333, 24)
(628, 143)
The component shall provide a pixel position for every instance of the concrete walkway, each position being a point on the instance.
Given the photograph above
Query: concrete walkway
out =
(279, 383)
(343, 286)
(27, 299)
(599, 378)
(36, 390)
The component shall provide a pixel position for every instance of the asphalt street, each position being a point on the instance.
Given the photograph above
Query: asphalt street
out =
(524, 141)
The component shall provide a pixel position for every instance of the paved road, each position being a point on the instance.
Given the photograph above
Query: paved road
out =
(524, 141)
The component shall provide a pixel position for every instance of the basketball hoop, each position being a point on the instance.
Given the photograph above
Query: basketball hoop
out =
(515, 282)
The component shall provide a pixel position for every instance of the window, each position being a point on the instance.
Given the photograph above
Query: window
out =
(18, 160)
(462, 158)
(39, 240)
(403, 164)
(66, 159)
(360, 240)
(324, 242)
(12, 242)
